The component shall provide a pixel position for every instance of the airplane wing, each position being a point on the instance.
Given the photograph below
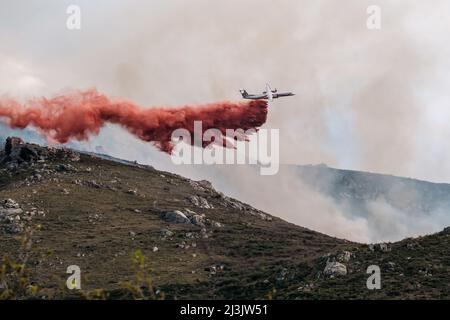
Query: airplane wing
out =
(257, 96)
(254, 96)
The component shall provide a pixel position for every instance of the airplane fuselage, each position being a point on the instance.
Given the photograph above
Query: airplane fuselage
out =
(268, 94)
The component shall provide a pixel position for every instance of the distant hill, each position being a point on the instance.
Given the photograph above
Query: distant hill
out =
(356, 188)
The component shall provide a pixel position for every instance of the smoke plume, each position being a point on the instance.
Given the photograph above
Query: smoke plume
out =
(82, 114)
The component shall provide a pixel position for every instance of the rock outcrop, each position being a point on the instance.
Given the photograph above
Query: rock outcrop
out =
(11, 216)
(200, 202)
(17, 154)
(335, 269)
(176, 217)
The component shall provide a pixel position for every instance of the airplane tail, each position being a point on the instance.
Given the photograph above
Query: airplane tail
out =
(244, 93)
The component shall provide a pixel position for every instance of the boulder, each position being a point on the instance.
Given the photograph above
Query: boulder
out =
(235, 204)
(215, 224)
(10, 204)
(384, 247)
(166, 233)
(12, 143)
(200, 202)
(9, 209)
(198, 220)
(65, 168)
(335, 269)
(18, 153)
(132, 192)
(344, 256)
(15, 228)
(201, 185)
(176, 217)
(11, 216)
(9, 212)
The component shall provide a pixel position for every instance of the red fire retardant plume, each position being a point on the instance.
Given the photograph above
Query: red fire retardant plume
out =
(82, 114)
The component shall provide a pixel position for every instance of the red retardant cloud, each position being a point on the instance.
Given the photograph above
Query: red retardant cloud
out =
(79, 115)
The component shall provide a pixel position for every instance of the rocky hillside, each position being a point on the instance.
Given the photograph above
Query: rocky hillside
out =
(60, 208)
(356, 189)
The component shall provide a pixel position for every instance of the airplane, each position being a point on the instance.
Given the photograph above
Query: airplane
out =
(269, 94)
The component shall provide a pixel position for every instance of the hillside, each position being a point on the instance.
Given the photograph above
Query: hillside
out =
(95, 213)
(356, 189)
